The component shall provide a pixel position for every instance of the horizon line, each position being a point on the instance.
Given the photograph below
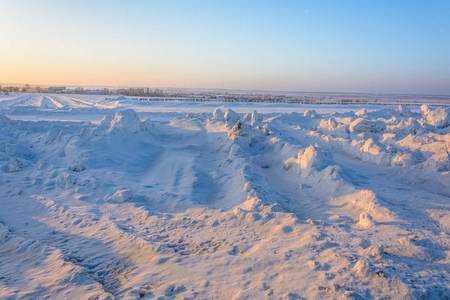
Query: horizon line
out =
(231, 89)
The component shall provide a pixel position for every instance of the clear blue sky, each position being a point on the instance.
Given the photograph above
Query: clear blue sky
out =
(346, 46)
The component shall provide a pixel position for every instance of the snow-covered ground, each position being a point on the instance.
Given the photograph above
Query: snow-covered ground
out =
(140, 200)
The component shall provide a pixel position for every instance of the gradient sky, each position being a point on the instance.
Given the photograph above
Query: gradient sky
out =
(341, 46)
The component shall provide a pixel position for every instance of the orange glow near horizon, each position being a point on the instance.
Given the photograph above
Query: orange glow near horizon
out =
(226, 45)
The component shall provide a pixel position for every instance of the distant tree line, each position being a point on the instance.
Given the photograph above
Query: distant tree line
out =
(140, 92)
(132, 91)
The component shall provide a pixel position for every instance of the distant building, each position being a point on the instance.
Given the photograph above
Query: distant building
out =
(56, 89)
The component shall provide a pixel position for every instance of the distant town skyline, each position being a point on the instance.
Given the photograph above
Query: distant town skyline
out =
(400, 47)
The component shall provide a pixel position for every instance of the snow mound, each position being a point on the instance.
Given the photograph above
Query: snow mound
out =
(309, 160)
(218, 115)
(425, 110)
(241, 132)
(374, 151)
(119, 98)
(128, 121)
(310, 114)
(75, 154)
(106, 121)
(439, 161)
(363, 125)
(405, 128)
(404, 111)
(313, 157)
(365, 221)
(231, 116)
(362, 269)
(18, 150)
(337, 128)
(121, 196)
(256, 118)
(365, 201)
(15, 165)
(67, 181)
(361, 112)
(405, 159)
(52, 135)
(439, 117)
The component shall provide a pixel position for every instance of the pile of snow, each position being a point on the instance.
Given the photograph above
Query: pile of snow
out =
(231, 116)
(256, 119)
(404, 111)
(15, 165)
(121, 196)
(218, 115)
(364, 125)
(126, 120)
(107, 120)
(241, 132)
(332, 125)
(366, 221)
(309, 159)
(370, 209)
(310, 114)
(52, 135)
(439, 161)
(405, 128)
(405, 159)
(440, 117)
(122, 97)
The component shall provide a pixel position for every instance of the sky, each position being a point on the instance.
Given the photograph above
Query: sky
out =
(318, 46)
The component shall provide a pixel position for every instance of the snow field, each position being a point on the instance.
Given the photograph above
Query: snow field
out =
(220, 204)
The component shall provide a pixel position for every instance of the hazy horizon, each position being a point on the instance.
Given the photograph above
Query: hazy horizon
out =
(313, 46)
(222, 89)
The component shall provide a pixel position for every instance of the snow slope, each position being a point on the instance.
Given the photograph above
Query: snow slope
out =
(143, 200)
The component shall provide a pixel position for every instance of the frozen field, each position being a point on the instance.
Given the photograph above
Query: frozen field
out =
(160, 200)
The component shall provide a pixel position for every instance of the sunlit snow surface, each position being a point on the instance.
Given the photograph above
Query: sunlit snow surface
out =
(139, 200)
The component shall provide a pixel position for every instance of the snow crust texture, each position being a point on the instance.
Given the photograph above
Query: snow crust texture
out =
(125, 199)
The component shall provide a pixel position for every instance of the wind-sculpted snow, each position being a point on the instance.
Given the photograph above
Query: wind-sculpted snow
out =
(128, 201)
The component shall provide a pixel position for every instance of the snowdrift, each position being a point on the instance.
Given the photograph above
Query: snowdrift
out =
(123, 197)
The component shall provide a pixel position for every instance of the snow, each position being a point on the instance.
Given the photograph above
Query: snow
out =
(139, 200)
